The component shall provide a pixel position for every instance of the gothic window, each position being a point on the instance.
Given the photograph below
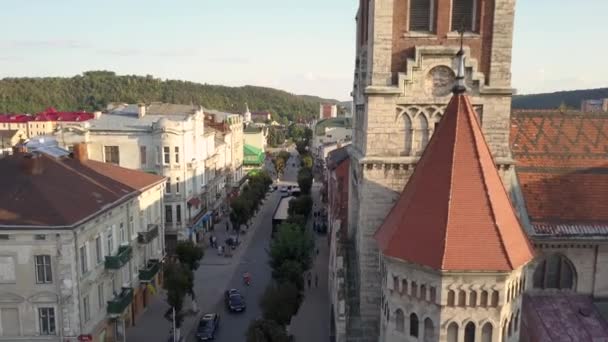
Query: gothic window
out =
(469, 332)
(508, 294)
(462, 298)
(404, 287)
(429, 330)
(452, 332)
(451, 296)
(413, 325)
(423, 292)
(422, 15)
(555, 272)
(510, 329)
(473, 299)
(407, 126)
(486, 333)
(483, 300)
(464, 15)
(494, 302)
(414, 289)
(395, 283)
(421, 134)
(399, 320)
(433, 294)
(516, 321)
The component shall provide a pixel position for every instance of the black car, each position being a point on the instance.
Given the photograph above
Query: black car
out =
(207, 327)
(235, 301)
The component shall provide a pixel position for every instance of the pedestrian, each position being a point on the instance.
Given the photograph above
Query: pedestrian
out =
(309, 278)
(227, 227)
(316, 280)
(211, 241)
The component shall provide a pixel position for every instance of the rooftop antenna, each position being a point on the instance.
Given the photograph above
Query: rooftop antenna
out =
(460, 87)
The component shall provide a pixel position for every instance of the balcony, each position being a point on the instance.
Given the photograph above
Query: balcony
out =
(148, 236)
(147, 274)
(119, 304)
(115, 262)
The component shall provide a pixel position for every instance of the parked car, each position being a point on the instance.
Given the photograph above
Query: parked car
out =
(235, 302)
(284, 189)
(207, 327)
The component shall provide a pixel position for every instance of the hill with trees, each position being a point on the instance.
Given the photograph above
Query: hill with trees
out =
(93, 90)
(570, 99)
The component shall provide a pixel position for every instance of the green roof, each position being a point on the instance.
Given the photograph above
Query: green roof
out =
(253, 155)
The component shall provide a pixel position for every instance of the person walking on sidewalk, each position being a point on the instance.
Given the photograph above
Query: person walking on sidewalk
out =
(309, 278)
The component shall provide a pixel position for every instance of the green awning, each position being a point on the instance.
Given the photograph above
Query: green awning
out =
(253, 155)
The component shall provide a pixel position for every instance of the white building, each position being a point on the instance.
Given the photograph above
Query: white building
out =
(80, 247)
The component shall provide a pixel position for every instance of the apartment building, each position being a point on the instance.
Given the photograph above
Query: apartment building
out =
(43, 123)
(81, 246)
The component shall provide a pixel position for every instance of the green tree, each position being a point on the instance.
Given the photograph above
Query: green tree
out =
(178, 283)
(280, 302)
(189, 254)
(262, 330)
(301, 205)
(291, 242)
(305, 180)
(290, 271)
(306, 160)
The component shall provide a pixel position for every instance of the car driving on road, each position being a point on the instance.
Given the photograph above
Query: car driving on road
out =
(207, 327)
(235, 302)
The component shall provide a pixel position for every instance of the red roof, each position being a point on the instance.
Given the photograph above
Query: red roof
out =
(48, 115)
(562, 167)
(454, 213)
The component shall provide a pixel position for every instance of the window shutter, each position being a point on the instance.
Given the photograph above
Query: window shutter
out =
(462, 14)
(420, 15)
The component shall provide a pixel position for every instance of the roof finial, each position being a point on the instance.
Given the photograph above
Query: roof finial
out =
(460, 86)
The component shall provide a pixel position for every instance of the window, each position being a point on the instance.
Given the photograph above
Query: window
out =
(494, 302)
(123, 234)
(177, 185)
(84, 260)
(423, 292)
(463, 15)
(399, 320)
(483, 301)
(168, 186)
(452, 332)
(473, 299)
(168, 214)
(413, 325)
(555, 272)
(46, 321)
(429, 330)
(111, 154)
(158, 156)
(414, 289)
(404, 286)
(433, 294)
(110, 242)
(515, 321)
(166, 155)
(86, 308)
(395, 283)
(43, 269)
(486, 333)
(451, 296)
(422, 15)
(126, 273)
(176, 155)
(100, 296)
(469, 332)
(461, 298)
(142, 155)
(178, 213)
(9, 318)
(98, 251)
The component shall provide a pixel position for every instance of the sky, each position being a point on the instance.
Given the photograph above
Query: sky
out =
(302, 46)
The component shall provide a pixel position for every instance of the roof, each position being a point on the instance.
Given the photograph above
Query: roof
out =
(65, 191)
(50, 114)
(561, 317)
(341, 122)
(336, 157)
(454, 213)
(562, 167)
(252, 130)
(8, 133)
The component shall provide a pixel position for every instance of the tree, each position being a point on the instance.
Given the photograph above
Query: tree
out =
(262, 330)
(178, 283)
(301, 205)
(280, 302)
(305, 180)
(291, 242)
(306, 160)
(240, 212)
(190, 255)
(290, 271)
(276, 136)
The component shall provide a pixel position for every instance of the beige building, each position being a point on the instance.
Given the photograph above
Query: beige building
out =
(256, 137)
(41, 124)
(80, 256)
(10, 138)
(230, 127)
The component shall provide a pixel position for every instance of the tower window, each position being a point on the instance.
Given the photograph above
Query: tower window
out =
(463, 15)
(422, 15)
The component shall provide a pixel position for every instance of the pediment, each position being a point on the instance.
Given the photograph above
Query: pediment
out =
(9, 297)
(43, 297)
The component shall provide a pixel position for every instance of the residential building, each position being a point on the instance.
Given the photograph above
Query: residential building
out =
(82, 246)
(330, 131)
(43, 123)
(262, 116)
(163, 139)
(254, 157)
(328, 110)
(598, 105)
(10, 138)
(256, 137)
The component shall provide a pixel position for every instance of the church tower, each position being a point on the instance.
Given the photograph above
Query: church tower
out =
(405, 69)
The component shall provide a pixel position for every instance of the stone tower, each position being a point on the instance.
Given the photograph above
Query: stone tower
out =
(404, 74)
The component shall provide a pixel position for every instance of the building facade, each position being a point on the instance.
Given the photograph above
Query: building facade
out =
(43, 123)
(77, 271)
(328, 110)
(599, 105)
(231, 127)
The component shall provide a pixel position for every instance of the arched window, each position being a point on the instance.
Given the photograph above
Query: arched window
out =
(423, 292)
(421, 134)
(462, 298)
(413, 325)
(452, 332)
(486, 333)
(433, 294)
(404, 286)
(510, 330)
(429, 330)
(515, 324)
(483, 300)
(494, 302)
(399, 320)
(395, 283)
(473, 299)
(407, 125)
(451, 296)
(414, 289)
(469, 332)
(555, 272)
(508, 294)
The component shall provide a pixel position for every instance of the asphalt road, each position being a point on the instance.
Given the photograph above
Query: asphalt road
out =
(233, 326)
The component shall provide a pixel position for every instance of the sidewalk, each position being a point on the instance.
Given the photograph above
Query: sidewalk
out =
(211, 278)
(311, 323)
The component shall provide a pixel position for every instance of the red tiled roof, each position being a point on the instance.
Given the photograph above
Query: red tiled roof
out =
(562, 167)
(48, 115)
(65, 192)
(454, 213)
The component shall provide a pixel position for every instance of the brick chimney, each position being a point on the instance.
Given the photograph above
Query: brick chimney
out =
(141, 110)
(31, 164)
(81, 152)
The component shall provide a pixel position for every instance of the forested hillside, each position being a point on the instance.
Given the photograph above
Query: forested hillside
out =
(571, 99)
(95, 89)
